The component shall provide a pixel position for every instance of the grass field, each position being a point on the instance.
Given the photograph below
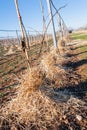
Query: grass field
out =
(80, 36)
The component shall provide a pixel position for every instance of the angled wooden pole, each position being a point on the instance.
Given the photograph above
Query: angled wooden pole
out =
(52, 23)
(63, 25)
(24, 47)
(44, 22)
(42, 10)
(18, 38)
(19, 18)
(59, 26)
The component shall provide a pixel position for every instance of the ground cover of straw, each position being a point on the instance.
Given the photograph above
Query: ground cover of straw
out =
(38, 103)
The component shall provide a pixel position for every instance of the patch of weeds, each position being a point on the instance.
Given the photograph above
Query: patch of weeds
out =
(1, 95)
(61, 82)
(5, 79)
(1, 71)
(10, 87)
(85, 79)
(83, 48)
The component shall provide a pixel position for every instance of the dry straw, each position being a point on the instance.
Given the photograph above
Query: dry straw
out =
(36, 109)
(31, 107)
(52, 64)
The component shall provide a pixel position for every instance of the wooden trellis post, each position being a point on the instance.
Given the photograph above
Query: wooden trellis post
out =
(18, 38)
(44, 22)
(64, 30)
(42, 10)
(63, 27)
(60, 27)
(52, 22)
(23, 42)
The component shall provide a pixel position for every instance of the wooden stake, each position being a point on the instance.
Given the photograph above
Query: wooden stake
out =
(52, 22)
(44, 22)
(22, 31)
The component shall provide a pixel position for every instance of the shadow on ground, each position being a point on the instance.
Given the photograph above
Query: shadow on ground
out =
(78, 91)
(76, 64)
(70, 55)
(80, 47)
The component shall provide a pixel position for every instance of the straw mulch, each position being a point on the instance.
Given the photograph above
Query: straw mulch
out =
(53, 66)
(61, 46)
(31, 108)
(39, 112)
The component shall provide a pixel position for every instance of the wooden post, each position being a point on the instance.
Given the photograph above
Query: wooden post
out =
(52, 22)
(22, 31)
(60, 27)
(19, 18)
(18, 38)
(44, 22)
(42, 10)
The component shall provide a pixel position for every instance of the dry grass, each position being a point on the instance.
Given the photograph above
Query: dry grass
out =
(30, 106)
(39, 112)
(52, 64)
(62, 45)
(10, 51)
(68, 39)
(33, 80)
(33, 110)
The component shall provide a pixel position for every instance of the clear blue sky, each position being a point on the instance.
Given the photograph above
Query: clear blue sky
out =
(74, 15)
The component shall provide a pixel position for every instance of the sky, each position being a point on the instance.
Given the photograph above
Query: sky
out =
(74, 14)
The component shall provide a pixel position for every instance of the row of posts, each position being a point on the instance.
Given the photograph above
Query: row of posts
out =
(35, 39)
(25, 42)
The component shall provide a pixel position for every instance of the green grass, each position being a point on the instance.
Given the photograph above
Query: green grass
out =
(79, 36)
(75, 34)
(84, 48)
(1, 50)
(1, 95)
(83, 56)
